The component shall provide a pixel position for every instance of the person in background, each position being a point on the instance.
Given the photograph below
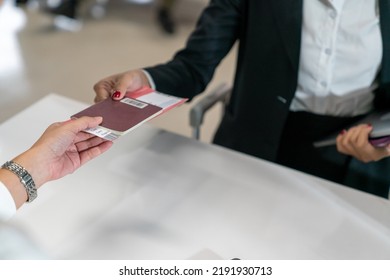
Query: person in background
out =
(20, 2)
(305, 69)
(66, 15)
(164, 16)
(61, 150)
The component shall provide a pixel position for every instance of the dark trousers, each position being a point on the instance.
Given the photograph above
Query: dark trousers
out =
(297, 151)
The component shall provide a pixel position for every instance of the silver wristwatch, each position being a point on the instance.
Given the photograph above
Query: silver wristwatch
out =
(24, 177)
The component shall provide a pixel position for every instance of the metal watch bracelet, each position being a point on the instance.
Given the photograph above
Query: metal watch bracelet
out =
(24, 177)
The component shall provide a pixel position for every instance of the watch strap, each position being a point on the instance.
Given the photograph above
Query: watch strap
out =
(24, 177)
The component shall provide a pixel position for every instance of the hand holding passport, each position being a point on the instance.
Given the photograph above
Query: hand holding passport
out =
(120, 117)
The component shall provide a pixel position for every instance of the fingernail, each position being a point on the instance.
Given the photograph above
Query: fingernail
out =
(342, 132)
(116, 94)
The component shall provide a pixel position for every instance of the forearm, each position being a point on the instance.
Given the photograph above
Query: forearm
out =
(192, 68)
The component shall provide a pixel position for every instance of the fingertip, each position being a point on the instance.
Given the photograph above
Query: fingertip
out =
(342, 132)
(98, 119)
(108, 144)
(97, 99)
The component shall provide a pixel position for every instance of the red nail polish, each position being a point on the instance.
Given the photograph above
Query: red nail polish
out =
(116, 94)
(342, 132)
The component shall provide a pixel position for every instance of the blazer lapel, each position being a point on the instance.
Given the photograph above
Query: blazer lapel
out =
(384, 10)
(288, 15)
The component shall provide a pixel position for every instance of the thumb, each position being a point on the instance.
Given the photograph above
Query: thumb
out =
(77, 125)
(129, 81)
(121, 86)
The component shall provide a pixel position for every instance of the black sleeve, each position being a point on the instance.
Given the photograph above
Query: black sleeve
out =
(192, 68)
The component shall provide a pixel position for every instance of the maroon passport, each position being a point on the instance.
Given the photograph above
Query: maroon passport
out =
(120, 115)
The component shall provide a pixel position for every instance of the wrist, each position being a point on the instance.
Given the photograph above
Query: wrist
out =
(18, 173)
(33, 164)
(147, 79)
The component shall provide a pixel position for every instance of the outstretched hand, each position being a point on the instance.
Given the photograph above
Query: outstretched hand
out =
(62, 149)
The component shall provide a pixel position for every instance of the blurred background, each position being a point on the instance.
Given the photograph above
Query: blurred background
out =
(56, 46)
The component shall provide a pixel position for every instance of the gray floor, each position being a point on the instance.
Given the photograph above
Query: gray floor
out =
(36, 59)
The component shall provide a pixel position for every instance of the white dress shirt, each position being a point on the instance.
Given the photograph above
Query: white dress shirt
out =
(7, 203)
(341, 53)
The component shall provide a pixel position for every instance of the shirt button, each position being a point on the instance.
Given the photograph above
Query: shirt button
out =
(333, 14)
(328, 51)
(324, 84)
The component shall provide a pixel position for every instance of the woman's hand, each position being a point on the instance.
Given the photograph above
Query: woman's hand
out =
(354, 142)
(62, 149)
(117, 85)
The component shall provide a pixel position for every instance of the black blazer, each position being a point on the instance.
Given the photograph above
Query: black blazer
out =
(269, 36)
